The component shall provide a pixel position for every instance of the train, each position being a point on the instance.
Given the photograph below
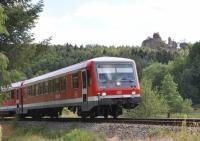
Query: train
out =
(102, 86)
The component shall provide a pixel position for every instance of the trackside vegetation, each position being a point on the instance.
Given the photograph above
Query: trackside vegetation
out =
(153, 104)
(36, 133)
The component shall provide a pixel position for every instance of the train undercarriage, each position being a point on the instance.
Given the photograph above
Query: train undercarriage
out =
(104, 107)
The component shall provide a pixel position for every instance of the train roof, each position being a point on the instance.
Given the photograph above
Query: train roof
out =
(111, 59)
(62, 71)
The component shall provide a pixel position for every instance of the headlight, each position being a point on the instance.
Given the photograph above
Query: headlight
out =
(133, 92)
(103, 94)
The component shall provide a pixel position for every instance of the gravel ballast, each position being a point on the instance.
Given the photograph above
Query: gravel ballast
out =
(119, 130)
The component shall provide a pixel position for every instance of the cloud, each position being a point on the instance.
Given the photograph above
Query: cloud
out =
(129, 23)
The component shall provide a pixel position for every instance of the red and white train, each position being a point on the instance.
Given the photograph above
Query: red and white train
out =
(96, 87)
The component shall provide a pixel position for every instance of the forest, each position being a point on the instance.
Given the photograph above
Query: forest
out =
(169, 79)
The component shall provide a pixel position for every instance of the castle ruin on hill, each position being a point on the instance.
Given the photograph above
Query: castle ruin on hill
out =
(157, 42)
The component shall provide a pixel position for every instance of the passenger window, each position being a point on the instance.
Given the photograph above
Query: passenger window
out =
(63, 83)
(57, 85)
(17, 94)
(84, 79)
(39, 89)
(43, 88)
(36, 90)
(32, 90)
(12, 94)
(89, 78)
(24, 91)
(46, 87)
(29, 90)
(75, 80)
(51, 86)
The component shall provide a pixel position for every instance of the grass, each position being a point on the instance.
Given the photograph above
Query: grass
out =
(165, 134)
(68, 114)
(81, 135)
(158, 132)
(35, 133)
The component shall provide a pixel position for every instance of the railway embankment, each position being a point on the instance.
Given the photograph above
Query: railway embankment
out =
(102, 131)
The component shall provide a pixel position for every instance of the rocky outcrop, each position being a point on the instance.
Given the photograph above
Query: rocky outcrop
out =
(157, 42)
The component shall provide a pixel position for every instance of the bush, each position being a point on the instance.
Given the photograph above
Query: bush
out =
(152, 104)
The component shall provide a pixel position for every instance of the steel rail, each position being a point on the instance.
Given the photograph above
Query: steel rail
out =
(149, 121)
(152, 121)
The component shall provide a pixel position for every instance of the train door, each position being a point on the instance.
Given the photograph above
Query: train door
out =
(18, 102)
(84, 86)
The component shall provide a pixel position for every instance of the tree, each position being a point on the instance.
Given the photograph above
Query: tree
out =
(3, 18)
(174, 100)
(156, 73)
(4, 74)
(189, 82)
(152, 104)
(22, 15)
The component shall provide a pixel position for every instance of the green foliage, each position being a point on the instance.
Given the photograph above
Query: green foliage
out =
(33, 133)
(190, 76)
(43, 57)
(186, 134)
(65, 111)
(21, 18)
(152, 104)
(155, 72)
(82, 135)
(174, 99)
(3, 62)
(4, 74)
(7, 76)
(3, 18)
(162, 131)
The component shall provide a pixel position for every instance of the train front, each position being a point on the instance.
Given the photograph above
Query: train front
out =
(117, 85)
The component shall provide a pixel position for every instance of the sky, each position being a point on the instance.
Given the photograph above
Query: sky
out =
(117, 22)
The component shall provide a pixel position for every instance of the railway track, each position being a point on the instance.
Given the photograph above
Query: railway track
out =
(152, 121)
(166, 122)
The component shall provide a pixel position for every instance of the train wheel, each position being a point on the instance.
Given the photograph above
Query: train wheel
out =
(93, 113)
(22, 116)
(56, 115)
(106, 112)
(83, 116)
(105, 115)
(115, 112)
(115, 115)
